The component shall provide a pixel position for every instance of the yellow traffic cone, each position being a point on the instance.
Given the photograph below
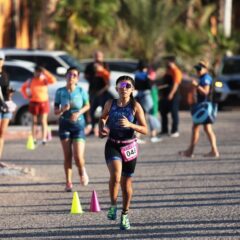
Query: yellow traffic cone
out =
(30, 143)
(76, 205)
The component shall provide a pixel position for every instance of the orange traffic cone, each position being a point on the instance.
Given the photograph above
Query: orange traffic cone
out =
(94, 207)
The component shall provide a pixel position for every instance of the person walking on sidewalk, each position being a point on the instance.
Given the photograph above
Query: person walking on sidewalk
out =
(97, 74)
(71, 102)
(119, 121)
(203, 88)
(36, 91)
(5, 108)
(143, 84)
(170, 97)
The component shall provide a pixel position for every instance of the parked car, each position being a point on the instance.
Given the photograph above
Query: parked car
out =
(117, 65)
(56, 62)
(18, 72)
(227, 82)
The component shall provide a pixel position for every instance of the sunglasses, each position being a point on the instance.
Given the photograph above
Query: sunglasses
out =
(124, 85)
(69, 75)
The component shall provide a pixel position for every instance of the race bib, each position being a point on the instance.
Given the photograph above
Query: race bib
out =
(129, 152)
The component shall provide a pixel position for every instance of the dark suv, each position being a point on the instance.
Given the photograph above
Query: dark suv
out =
(227, 84)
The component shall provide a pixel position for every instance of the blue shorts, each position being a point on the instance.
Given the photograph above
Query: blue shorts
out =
(72, 130)
(5, 115)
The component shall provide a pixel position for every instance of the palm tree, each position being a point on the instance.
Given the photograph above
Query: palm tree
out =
(82, 24)
(150, 21)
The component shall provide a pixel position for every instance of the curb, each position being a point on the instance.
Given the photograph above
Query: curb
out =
(16, 135)
(19, 132)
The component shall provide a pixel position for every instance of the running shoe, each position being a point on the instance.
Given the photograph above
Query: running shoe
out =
(125, 224)
(88, 130)
(112, 213)
(175, 135)
(140, 141)
(68, 187)
(155, 139)
(84, 179)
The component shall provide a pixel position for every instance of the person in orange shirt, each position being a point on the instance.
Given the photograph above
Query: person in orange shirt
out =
(170, 97)
(36, 90)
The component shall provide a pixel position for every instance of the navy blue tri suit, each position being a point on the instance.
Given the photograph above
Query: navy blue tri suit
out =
(120, 136)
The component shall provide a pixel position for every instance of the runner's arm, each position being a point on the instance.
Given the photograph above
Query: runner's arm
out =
(103, 119)
(49, 77)
(141, 125)
(24, 89)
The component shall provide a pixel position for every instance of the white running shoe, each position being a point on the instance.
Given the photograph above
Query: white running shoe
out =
(155, 139)
(140, 141)
(84, 179)
(175, 135)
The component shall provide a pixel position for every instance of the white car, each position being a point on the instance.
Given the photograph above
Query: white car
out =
(118, 67)
(56, 62)
(18, 72)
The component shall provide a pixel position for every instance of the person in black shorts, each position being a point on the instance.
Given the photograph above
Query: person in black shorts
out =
(120, 119)
(97, 74)
(5, 110)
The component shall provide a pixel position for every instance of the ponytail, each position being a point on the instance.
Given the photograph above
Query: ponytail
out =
(132, 101)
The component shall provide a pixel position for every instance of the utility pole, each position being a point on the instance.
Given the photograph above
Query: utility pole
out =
(227, 20)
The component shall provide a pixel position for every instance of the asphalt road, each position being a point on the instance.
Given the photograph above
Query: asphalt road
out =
(174, 197)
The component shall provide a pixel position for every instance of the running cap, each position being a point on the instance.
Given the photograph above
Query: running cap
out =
(202, 64)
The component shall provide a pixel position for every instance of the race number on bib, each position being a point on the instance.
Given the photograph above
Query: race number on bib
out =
(129, 152)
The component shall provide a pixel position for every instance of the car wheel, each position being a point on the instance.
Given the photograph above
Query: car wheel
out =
(24, 117)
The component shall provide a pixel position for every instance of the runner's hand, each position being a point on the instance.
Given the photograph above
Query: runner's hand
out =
(103, 132)
(74, 116)
(65, 108)
(124, 122)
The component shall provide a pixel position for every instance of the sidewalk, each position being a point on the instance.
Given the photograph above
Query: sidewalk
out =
(22, 132)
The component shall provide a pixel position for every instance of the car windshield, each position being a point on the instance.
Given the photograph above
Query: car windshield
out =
(71, 61)
(231, 66)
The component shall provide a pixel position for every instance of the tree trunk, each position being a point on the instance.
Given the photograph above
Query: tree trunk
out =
(45, 41)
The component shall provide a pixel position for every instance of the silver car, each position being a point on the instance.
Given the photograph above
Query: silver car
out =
(18, 72)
